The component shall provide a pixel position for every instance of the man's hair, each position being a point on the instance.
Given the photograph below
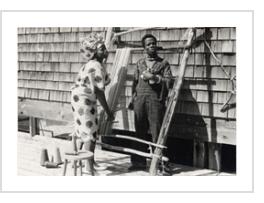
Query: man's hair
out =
(148, 36)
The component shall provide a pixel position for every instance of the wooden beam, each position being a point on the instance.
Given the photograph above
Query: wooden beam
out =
(160, 49)
(205, 134)
(135, 139)
(108, 38)
(199, 153)
(133, 151)
(44, 109)
(225, 130)
(135, 30)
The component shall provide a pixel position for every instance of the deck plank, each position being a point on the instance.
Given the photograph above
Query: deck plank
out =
(116, 164)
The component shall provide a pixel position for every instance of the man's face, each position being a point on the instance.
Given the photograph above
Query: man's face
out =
(102, 51)
(150, 46)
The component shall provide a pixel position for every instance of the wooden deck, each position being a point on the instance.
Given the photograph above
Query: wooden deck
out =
(114, 164)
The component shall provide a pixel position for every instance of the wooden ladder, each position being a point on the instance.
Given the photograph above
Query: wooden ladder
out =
(173, 100)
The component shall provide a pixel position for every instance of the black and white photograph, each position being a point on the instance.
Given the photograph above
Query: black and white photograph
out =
(126, 101)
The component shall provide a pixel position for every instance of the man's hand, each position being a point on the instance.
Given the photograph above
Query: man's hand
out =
(147, 75)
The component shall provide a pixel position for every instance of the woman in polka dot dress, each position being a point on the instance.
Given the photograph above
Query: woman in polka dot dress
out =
(89, 87)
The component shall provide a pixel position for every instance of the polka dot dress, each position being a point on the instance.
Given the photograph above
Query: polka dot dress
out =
(83, 100)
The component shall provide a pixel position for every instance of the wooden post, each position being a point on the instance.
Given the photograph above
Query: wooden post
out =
(214, 156)
(65, 167)
(108, 38)
(74, 167)
(33, 126)
(199, 154)
(80, 165)
(173, 100)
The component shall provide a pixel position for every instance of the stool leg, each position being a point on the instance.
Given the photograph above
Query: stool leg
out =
(75, 168)
(65, 167)
(80, 165)
(91, 165)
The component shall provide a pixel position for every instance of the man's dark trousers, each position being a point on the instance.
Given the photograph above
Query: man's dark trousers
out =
(149, 112)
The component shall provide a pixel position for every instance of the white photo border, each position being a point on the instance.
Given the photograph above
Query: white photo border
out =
(242, 20)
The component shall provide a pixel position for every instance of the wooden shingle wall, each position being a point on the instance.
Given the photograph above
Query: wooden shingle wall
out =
(49, 60)
(48, 63)
(206, 86)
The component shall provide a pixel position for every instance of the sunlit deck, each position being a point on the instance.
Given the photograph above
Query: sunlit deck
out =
(114, 164)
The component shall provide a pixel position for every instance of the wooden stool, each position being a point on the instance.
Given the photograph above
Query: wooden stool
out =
(81, 155)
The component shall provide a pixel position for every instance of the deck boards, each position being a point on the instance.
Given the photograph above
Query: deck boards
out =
(29, 150)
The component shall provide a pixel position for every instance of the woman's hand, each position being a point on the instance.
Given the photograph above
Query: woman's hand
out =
(107, 79)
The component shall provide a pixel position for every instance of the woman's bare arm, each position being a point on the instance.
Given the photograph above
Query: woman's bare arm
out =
(101, 97)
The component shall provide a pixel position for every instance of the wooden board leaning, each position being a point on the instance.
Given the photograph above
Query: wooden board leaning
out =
(113, 90)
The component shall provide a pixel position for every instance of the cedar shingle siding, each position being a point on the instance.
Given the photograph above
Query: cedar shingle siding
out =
(49, 60)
